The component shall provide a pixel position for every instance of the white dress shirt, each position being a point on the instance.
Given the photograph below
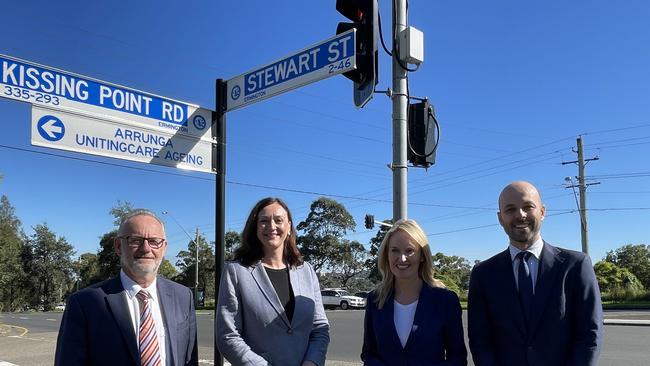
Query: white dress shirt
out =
(131, 288)
(533, 260)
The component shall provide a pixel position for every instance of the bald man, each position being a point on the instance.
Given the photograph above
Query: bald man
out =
(533, 304)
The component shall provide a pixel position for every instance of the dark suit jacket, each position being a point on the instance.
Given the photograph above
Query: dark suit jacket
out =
(96, 328)
(567, 320)
(436, 337)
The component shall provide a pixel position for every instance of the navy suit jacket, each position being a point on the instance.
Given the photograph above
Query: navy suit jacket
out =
(96, 328)
(436, 337)
(567, 320)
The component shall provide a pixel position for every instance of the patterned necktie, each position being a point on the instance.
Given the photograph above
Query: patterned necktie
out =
(149, 348)
(525, 282)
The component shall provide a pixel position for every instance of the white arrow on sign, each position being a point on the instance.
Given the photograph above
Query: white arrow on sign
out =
(50, 129)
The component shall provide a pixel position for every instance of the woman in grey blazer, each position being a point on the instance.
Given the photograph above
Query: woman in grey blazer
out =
(269, 310)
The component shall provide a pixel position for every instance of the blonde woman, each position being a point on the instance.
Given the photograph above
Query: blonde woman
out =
(411, 319)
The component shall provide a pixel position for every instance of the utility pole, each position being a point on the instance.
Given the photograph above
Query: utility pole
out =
(582, 187)
(400, 125)
(196, 270)
(196, 244)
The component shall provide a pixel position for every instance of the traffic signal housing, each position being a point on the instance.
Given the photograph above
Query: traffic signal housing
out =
(363, 14)
(423, 134)
(370, 221)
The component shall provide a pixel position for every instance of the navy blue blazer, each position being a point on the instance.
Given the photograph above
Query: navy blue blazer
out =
(567, 319)
(96, 328)
(436, 337)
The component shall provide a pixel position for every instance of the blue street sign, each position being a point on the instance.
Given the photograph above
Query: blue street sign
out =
(51, 128)
(331, 57)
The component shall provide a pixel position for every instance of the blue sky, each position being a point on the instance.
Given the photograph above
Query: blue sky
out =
(513, 83)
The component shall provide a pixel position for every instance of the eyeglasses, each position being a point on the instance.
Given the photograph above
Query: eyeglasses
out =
(137, 241)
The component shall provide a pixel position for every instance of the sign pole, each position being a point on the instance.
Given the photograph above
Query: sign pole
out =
(219, 136)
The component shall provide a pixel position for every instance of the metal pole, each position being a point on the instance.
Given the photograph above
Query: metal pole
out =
(400, 105)
(583, 198)
(219, 165)
(197, 252)
(196, 269)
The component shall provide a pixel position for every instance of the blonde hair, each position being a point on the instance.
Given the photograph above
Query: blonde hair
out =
(425, 271)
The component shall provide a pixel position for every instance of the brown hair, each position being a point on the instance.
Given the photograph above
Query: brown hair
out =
(251, 249)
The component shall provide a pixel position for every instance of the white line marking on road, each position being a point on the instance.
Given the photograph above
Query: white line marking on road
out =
(5, 363)
(52, 320)
(207, 362)
(23, 317)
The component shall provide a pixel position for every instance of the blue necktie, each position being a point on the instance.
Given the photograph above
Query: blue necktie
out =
(525, 282)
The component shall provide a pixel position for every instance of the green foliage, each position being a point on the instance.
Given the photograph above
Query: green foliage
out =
(167, 269)
(324, 228)
(186, 264)
(450, 284)
(233, 241)
(50, 266)
(88, 270)
(635, 258)
(350, 262)
(617, 283)
(108, 262)
(120, 211)
(371, 263)
(12, 242)
(454, 269)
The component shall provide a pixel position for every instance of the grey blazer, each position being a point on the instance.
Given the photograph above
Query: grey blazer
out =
(252, 328)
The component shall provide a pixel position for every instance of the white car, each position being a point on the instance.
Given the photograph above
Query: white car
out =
(334, 297)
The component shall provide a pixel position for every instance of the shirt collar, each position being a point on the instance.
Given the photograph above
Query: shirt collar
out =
(132, 288)
(535, 249)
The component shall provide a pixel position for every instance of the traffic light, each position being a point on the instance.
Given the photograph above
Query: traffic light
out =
(370, 221)
(363, 14)
(423, 134)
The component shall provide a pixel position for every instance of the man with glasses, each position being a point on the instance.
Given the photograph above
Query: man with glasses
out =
(135, 318)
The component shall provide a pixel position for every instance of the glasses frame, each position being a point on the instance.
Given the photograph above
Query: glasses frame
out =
(151, 241)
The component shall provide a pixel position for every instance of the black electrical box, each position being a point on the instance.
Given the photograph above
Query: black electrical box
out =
(422, 137)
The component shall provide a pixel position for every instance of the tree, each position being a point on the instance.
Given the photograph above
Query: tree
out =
(107, 260)
(167, 269)
(120, 211)
(50, 266)
(351, 261)
(233, 241)
(453, 270)
(12, 241)
(616, 282)
(372, 262)
(88, 271)
(635, 258)
(186, 264)
(324, 228)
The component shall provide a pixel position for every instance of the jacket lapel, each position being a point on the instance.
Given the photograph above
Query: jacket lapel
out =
(511, 294)
(421, 313)
(117, 306)
(546, 273)
(264, 283)
(389, 321)
(168, 311)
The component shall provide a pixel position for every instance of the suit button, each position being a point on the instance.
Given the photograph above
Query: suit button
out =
(290, 331)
